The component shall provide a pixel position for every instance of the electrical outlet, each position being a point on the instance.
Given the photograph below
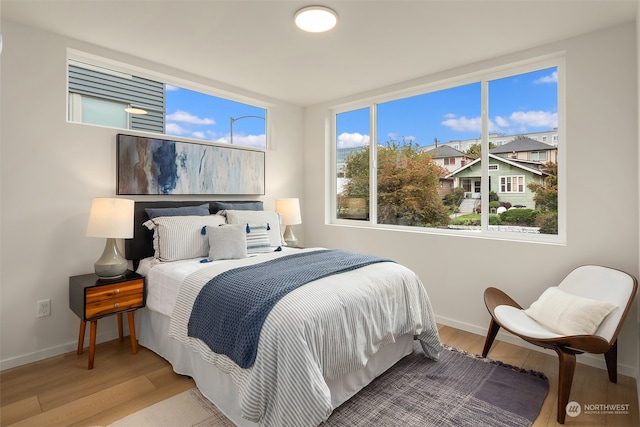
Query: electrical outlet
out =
(43, 308)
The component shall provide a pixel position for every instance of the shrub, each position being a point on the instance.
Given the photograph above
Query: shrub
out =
(523, 217)
(495, 204)
(494, 219)
(548, 222)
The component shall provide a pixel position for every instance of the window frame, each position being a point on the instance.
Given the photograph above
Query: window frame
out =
(127, 69)
(505, 70)
(508, 181)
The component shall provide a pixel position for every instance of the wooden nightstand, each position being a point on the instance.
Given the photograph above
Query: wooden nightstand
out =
(91, 298)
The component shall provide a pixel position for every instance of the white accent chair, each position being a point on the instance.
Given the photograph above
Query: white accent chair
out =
(588, 281)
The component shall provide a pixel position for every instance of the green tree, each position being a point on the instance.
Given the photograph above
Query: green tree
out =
(408, 182)
(546, 196)
(476, 150)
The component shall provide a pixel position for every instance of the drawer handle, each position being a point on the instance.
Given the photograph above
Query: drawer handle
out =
(116, 305)
(117, 291)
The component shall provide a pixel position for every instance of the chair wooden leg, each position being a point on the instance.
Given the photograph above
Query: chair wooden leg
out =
(611, 357)
(491, 336)
(567, 367)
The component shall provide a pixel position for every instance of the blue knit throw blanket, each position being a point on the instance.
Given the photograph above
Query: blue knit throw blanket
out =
(231, 308)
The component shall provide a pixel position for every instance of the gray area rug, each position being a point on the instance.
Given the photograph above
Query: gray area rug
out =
(459, 390)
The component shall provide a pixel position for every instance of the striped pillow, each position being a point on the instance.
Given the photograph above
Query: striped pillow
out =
(181, 237)
(257, 238)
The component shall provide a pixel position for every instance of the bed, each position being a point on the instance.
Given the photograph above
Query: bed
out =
(318, 344)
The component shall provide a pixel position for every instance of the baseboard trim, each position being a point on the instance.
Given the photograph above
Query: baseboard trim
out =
(597, 361)
(55, 351)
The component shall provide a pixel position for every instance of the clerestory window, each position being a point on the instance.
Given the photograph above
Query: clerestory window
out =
(105, 93)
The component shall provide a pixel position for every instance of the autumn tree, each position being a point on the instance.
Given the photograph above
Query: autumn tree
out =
(408, 182)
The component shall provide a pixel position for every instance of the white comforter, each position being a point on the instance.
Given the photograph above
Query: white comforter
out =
(319, 331)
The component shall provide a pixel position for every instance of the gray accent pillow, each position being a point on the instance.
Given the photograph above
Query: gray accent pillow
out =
(239, 206)
(227, 241)
(201, 210)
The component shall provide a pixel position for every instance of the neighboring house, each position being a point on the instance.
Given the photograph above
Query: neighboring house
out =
(450, 159)
(508, 178)
(527, 149)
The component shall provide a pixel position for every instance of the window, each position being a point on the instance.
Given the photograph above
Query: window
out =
(539, 156)
(512, 184)
(397, 185)
(109, 95)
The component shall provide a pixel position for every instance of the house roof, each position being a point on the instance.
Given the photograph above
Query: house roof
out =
(511, 162)
(446, 151)
(522, 143)
(255, 46)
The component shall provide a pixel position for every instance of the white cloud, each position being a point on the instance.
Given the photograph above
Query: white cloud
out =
(258, 141)
(174, 129)
(534, 119)
(551, 78)
(462, 124)
(348, 140)
(517, 122)
(198, 135)
(501, 122)
(171, 88)
(186, 117)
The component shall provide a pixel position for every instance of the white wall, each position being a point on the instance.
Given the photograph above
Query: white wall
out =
(50, 170)
(602, 196)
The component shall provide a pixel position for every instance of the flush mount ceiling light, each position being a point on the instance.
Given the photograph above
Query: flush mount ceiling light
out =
(316, 19)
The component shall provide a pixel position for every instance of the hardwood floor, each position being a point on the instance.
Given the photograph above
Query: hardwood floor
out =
(61, 391)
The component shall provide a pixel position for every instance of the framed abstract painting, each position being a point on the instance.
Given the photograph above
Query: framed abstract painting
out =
(161, 166)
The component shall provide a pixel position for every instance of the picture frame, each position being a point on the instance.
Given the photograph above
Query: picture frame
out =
(155, 166)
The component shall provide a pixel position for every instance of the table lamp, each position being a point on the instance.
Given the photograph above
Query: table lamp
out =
(113, 219)
(289, 209)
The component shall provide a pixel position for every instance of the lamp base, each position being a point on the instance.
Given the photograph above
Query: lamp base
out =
(289, 238)
(111, 264)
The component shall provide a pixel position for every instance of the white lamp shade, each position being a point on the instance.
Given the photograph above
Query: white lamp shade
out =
(111, 218)
(289, 209)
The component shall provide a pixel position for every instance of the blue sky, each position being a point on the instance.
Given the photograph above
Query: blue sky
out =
(518, 104)
(196, 115)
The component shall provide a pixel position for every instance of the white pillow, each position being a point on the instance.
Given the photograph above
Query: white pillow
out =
(181, 237)
(272, 218)
(257, 238)
(227, 241)
(569, 314)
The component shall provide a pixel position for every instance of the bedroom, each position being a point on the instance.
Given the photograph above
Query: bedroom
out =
(52, 169)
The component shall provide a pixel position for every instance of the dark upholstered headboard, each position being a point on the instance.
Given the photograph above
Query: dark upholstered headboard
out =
(141, 246)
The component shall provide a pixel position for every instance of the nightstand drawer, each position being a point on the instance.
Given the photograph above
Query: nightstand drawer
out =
(116, 290)
(113, 305)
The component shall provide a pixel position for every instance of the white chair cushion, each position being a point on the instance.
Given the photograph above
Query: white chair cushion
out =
(568, 314)
(519, 323)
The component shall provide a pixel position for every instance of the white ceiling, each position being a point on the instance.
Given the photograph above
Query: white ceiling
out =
(254, 45)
